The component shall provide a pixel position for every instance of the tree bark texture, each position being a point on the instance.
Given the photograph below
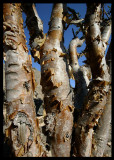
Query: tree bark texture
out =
(93, 97)
(98, 87)
(81, 73)
(101, 134)
(21, 127)
(35, 27)
(56, 87)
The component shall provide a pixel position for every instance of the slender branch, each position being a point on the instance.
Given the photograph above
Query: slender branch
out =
(76, 21)
(106, 13)
(35, 27)
(73, 53)
(33, 21)
(106, 32)
(81, 74)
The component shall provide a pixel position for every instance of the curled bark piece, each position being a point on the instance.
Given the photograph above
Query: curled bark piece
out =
(21, 126)
(56, 87)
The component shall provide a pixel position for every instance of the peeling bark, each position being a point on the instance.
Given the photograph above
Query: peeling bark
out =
(35, 27)
(56, 87)
(95, 44)
(93, 98)
(81, 74)
(21, 127)
(101, 134)
(96, 100)
(97, 95)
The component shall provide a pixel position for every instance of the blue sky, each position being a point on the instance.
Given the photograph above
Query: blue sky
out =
(44, 11)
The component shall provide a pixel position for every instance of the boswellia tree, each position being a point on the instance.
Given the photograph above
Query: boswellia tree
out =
(21, 124)
(76, 121)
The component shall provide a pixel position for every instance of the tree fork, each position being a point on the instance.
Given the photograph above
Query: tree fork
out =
(21, 127)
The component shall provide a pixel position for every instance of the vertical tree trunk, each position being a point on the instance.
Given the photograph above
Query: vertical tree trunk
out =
(56, 87)
(101, 135)
(21, 128)
(99, 86)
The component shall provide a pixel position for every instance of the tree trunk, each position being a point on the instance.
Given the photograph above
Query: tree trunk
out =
(90, 125)
(21, 128)
(99, 86)
(101, 134)
(56, 87)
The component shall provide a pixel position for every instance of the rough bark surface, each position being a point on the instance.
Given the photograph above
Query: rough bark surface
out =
(99, 86)
(54, 132)
(82, 74)
(56, 87)
(21, 125)
(101, 135)
(35, 27)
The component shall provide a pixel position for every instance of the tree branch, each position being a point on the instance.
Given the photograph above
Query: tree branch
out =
(76, 20)
(81, 74)
(35, 27)
(106, 31)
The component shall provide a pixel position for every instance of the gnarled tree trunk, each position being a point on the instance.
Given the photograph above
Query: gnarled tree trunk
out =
(92, 97)
(99, 86)
(21, 127)
(54, 81)
(56, 87)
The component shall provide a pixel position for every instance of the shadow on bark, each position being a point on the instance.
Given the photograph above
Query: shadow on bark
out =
(39, 106)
